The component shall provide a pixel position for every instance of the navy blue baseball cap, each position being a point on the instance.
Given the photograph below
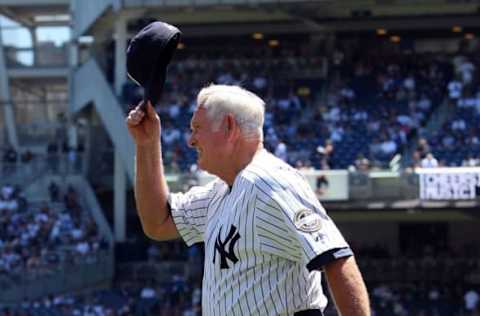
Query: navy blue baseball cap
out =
(148, 55)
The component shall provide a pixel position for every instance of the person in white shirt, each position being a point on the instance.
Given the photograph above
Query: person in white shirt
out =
(148, 292)
(281, 151)
(429, 161)
(471, 299)
(455, 89)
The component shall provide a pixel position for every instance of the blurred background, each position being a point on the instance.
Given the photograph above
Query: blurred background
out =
(376, 101)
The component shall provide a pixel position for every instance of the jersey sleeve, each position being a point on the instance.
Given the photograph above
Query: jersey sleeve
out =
(291, 220)
(190, 211)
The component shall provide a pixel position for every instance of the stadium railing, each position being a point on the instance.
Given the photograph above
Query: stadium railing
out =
(200, 3)
(38, 130)
(419, 186)
(21, 172)
(40, 56)
(88, 271)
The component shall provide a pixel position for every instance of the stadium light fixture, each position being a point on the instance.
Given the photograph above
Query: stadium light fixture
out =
(395, 39)
(52, 18)
(273, 43)
(457, 29)
(469, 36)
(257, 36)
(381, 32)
(86, 40)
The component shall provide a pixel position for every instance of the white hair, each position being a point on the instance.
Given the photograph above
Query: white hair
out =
(246, 107)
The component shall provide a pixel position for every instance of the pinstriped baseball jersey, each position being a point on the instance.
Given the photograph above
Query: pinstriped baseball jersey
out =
(260, 237)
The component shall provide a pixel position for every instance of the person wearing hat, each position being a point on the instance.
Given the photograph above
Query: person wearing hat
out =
(268, 241)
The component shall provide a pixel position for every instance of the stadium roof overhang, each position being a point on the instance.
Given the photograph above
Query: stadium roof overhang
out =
(290, 17)
(33, 13)
(318, 17)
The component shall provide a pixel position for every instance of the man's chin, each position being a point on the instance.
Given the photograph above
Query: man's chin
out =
(200, 164)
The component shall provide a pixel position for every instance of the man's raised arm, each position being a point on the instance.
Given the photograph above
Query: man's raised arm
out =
(151, 190)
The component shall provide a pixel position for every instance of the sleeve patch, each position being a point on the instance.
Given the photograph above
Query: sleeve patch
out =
(307, 221)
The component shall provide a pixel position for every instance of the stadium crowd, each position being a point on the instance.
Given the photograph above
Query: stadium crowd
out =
(180, 295)
(369, 108)
(456, 142)
(36, 238)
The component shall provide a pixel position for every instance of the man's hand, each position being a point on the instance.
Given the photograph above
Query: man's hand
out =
(144, 126)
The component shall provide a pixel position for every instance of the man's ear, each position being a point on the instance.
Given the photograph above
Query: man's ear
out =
(230, 125)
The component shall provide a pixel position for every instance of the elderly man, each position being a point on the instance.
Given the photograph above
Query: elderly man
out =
(267, 238)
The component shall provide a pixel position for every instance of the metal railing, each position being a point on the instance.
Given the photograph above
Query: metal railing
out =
(25, 172)
(200, 3)
(160, 271)
(40, 56)
(37, 132)
(442, 270)
(85, 272)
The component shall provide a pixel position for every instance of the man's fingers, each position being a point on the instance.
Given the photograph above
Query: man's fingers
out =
(150, 110)
(135, 116)
(140, 106)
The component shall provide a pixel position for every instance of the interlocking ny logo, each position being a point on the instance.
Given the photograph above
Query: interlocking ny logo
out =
(220, 246)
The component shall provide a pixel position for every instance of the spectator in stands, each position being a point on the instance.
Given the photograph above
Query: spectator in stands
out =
(281, 151)
(153, 252)
(10, 160)
(429, 161)
(470, 161)
(52, 156)
(423, 147)
(465, 70)
(71, 200)
(327, 150)
(148, 292)
(27, 156)
(7, 191)
(148, 299)
(455, 88)
(362, 164)
(459, 124)
(54, 191)
(471, 299)
(8, 200)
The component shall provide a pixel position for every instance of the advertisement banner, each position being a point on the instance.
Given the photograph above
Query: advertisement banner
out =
(449, 183)
(329, 185)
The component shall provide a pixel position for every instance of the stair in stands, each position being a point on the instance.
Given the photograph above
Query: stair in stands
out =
(91, 87)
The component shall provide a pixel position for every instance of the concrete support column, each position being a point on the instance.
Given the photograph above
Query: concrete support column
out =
(120, 176)
(120, 53)
(35, 52)
(119, 186)
(5, 100)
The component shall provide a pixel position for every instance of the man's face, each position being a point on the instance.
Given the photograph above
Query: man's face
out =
(209, 142)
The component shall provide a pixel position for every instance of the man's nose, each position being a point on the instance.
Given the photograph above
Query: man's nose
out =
(191, 141)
